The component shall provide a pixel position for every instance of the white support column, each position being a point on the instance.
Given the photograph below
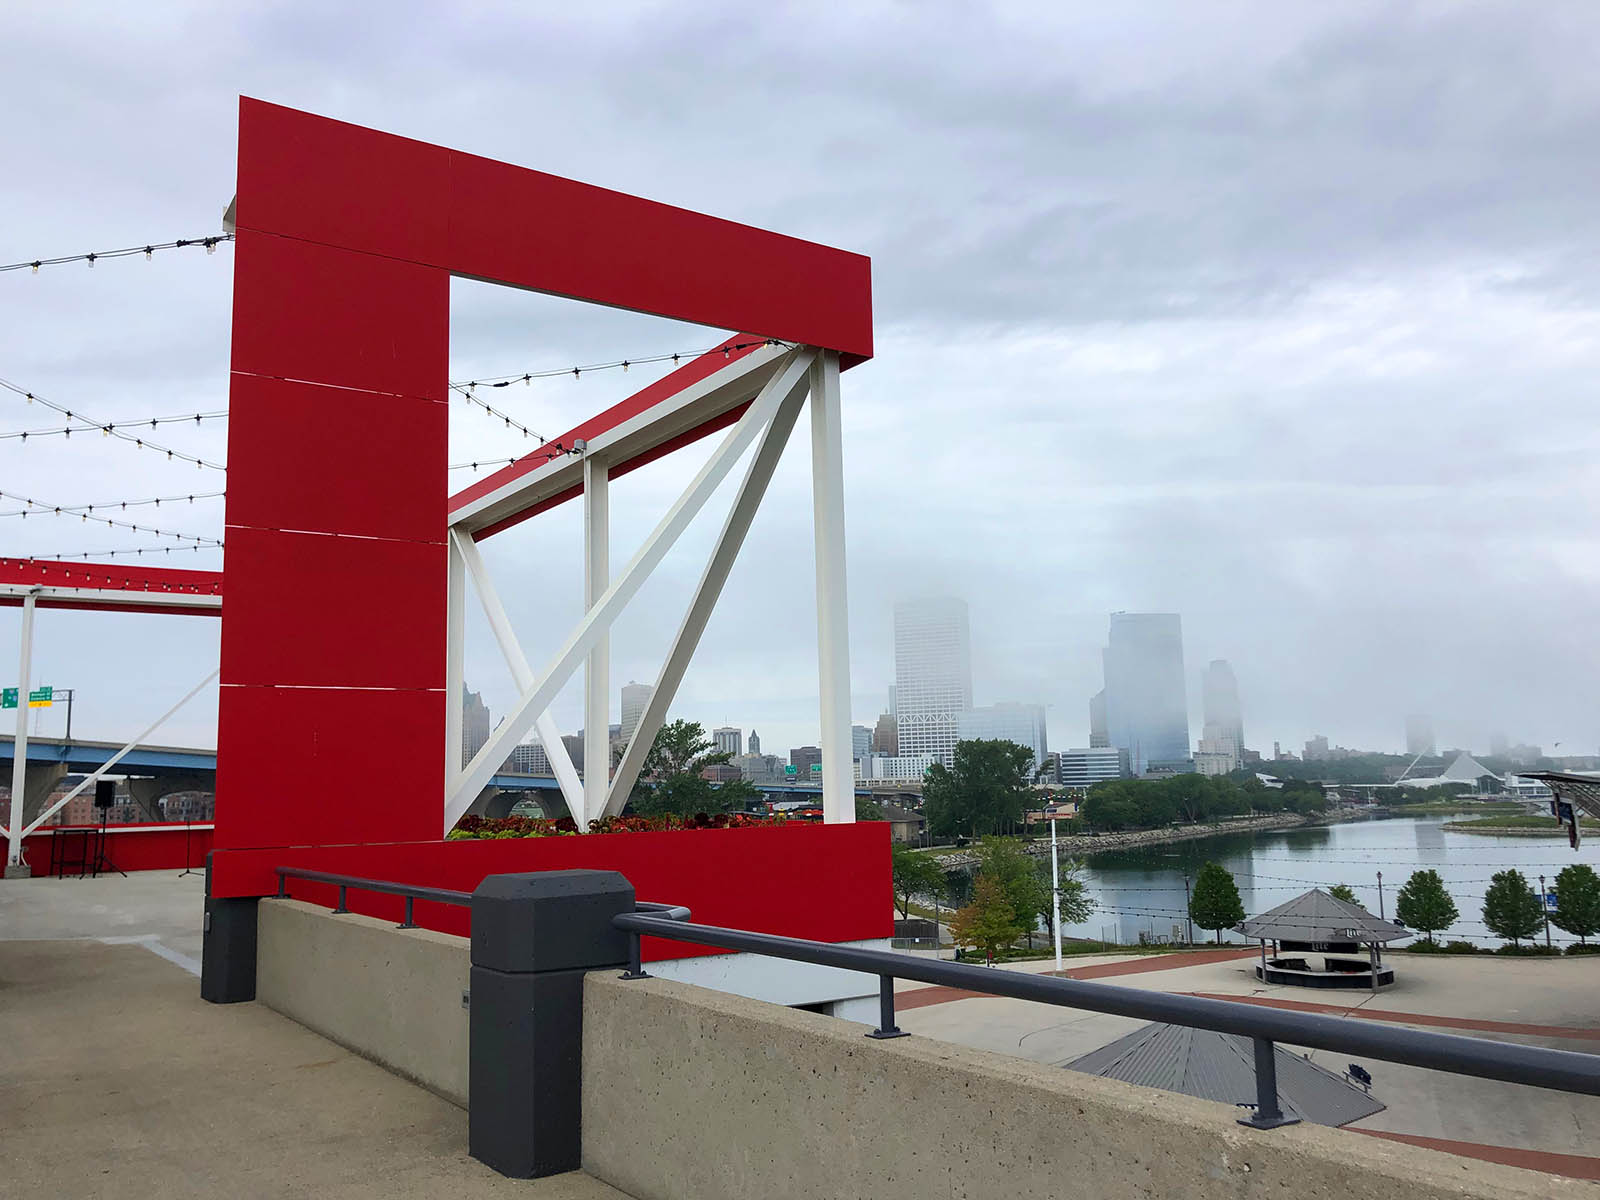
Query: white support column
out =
(597, 671)
(833, 619)
(751, 490)
(19, 748)
(454, 667)
(118, 756)
(522, 675)
(791, 376)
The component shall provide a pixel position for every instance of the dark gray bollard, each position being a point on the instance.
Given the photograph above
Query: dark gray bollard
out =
(228, 948)
(534, 937)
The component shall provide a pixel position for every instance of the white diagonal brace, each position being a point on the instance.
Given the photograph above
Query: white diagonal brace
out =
(521, 674)
(790, 377)
(455, 651)
(833, 620)
(734, 528)
(597, 671)
(118, 756)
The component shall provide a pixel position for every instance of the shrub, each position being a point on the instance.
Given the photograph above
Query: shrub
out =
(485, 828)
(1584, 948)
(1460, 947)
(1533, 951)
(1425, 948)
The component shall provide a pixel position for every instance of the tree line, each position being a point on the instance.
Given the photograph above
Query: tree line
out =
(1152, 803)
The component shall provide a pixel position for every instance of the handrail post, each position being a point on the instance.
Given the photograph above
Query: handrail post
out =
(343, 893)
(635, 959)
(886, 1026)
(283, 886)
(1268, 1114)
(409, 923)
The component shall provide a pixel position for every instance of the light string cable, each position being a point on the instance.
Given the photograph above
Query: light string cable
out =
(210, 243)
(35, 506)
(83, 514)
(134, 553)
(119, 429)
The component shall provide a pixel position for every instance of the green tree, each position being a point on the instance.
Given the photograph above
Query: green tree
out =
(1424, 903)
(1342, 891)
(1577, 901)
(671, 781)
(868, 809)
(1076, 905)
(984, 791)
(1215, 902)
(1004, 860)
(914, 875)
(1510, 909)
(989, 923)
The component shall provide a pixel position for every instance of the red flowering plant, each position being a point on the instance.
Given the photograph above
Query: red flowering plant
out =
(482, 828)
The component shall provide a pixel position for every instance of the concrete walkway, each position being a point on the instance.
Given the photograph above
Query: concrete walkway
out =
(117, 1080)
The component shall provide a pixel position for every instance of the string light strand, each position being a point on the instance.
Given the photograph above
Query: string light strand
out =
(112, 428)
(85, 516)
(577, 372)
(138, 552)
(210, 243)
(34, 506)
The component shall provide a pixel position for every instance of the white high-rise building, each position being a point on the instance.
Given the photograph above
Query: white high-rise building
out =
(932, 675)
(1223, 732)
(1147, 710)
(635, 696)
(728, 740)
(1019, 723)
(1086, 767)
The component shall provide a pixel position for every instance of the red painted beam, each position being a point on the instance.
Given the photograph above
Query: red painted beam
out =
(101, 577)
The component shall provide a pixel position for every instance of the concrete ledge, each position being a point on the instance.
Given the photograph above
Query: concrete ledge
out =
(699, 1095)
(391, 995)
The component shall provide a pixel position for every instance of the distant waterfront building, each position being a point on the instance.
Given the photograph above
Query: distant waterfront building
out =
(1419, 734)
(474, 724)
(1099, 735)
(755, 742)
(802, 759)
(906, 767)
(760, 768)
(886, 735)
(932, 675)
(1223, 730)
(529, 758)
(1147, 706)
(1019, 723)
(635, 696)
(1085, 767)
(1316, 748)
(860, 741)
(1211, 761)
(728, 740)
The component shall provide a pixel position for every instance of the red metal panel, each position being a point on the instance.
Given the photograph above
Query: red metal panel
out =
(338, 317)
(329, 611)
(102, 576)
(336, 459)
(131, 847)
(326, 181)
(827, 882)
(590, 243)
(288, 772)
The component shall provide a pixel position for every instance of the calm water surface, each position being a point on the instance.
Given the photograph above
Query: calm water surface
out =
(1141, 890)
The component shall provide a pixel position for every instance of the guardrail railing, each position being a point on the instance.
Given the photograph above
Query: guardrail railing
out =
(344, 883)
(1559, 1070)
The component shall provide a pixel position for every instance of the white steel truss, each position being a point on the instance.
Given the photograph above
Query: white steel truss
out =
(784, 378)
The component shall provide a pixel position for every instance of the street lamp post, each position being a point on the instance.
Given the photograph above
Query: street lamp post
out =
(1187, 916)
(1381, 917)
(1055, 891)
(1544, 907)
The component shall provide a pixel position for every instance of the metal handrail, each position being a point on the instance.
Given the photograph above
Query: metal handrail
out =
(412, 892)
(1559, 1070)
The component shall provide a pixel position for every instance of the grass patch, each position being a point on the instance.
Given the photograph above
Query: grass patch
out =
(1520, 821)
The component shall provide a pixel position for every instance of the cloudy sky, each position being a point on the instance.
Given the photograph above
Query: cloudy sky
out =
(1284, 317)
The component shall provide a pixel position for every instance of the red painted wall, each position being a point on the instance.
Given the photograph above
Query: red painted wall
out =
(827, 882)
(131, 847)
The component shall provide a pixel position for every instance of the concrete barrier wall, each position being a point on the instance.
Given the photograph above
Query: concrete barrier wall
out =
(391, 995)
(695, 1095)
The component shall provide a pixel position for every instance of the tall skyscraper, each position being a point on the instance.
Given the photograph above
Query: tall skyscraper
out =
(1147, 707)
(1019, 723)
(1223, 731)
(1099, 736)
(755, 742)
(728, 740)
(932, 675)
(802, 759)
(634, 698)
(860, 741)
(1419, 734)
(886, 736)
(474, 724)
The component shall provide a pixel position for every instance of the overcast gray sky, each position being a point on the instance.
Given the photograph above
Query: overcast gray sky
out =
(1284, 317)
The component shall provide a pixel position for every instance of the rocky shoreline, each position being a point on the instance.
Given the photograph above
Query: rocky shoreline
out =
(1084, 844)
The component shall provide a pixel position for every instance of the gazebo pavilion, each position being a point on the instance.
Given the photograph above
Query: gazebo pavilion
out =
(1317, 923)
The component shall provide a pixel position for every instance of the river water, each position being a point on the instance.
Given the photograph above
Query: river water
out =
(1141, 890)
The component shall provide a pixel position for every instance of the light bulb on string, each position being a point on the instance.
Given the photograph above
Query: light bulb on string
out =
(147, 254)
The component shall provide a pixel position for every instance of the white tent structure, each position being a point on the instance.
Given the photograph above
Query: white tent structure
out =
(1464, 769)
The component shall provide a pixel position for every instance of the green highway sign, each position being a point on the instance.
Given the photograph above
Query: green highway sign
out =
(816, 768)
(41, 697)
(8, 697)
(791, 769)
